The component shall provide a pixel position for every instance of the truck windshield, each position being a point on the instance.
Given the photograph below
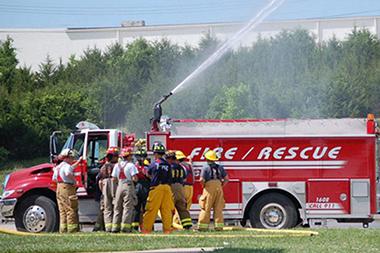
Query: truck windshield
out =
(75, 141)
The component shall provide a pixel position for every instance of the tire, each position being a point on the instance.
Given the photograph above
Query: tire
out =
(273, 211)
(37, 214)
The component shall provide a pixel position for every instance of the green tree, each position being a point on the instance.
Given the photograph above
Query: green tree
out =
(8, 63)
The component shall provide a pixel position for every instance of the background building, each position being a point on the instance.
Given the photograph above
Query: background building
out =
(33, 45)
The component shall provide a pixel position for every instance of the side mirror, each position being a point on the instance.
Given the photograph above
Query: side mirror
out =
(53, 146)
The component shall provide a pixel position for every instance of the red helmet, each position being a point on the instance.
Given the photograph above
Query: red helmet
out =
(113, 151)
(126, 152)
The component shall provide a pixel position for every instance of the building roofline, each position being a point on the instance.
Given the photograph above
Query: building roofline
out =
(180, 26)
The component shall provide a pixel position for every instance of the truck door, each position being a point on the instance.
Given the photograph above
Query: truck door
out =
(80, 172)
(97, 144)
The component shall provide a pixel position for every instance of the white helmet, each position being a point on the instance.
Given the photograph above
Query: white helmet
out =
(67, 153)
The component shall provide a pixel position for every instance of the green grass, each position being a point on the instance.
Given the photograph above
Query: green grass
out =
(328, 240)
(15, 165)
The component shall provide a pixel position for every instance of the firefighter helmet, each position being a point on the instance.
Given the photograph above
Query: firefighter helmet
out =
(126, 152)
(141, 152)
(67, 152)
(146, 162)
(179, 155)
(170, 155)
(211, 155)
(159, 148)
(113, 151)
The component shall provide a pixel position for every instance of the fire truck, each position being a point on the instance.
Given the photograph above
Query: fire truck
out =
(283, 172)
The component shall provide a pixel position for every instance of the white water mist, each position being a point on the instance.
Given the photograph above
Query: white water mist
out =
(231, 42)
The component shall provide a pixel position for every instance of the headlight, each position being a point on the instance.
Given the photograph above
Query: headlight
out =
(7, 193)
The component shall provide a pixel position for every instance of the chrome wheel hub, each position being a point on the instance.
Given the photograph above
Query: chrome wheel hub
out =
(34, 219)
(273, 215)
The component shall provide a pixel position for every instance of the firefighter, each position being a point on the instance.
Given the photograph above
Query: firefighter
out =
(160, 194)
(178, 176)
(142, 187)
(108, 187)
(189, 181)
(66, 191)
(125, 174)
(213, 178)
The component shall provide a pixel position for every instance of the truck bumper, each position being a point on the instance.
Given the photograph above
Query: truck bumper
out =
(7, 207)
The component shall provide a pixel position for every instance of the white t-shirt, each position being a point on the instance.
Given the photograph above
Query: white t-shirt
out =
(64, 169)
(130, 170)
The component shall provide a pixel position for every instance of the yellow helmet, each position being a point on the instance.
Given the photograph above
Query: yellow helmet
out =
(211, 155)
(146, 162)
(179, 155)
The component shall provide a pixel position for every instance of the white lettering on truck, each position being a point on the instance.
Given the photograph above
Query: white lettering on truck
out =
(266, 153)
(292, 153)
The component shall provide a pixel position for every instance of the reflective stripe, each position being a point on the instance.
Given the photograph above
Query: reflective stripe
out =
(108, 225)
(115, 226)
(124, 225)
(219, 225)
(202, 225)
(135, 224)
(63, 225)
(187, 222)
(72, 227)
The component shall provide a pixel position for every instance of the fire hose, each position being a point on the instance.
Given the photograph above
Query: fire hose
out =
(257, 233)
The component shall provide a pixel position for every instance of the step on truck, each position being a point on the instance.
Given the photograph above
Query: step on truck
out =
(283, 172)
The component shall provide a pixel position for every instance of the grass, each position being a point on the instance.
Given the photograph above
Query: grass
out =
(15, 165)
(328, 240)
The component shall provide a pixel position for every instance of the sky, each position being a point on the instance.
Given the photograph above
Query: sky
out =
(110, 13)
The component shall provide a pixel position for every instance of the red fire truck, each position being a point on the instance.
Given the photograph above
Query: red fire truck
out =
(283, 172)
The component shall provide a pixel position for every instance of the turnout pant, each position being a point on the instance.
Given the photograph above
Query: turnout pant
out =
(189, 191)
(99, 225)
(108, 191)
(142, 191)
(159, 198)
(212, 198)
(68, 208)
(181, 205)
(125, 201)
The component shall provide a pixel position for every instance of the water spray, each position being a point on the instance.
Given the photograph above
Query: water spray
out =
(224, 48)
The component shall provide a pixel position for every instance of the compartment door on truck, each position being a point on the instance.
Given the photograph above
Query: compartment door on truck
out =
(328, 197)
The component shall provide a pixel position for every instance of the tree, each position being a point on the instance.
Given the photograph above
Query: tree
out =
(232, 103)
(8, 63)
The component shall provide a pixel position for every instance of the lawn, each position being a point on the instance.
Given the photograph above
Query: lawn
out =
(328, 240)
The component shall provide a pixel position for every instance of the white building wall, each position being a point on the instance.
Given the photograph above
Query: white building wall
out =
(33, 45)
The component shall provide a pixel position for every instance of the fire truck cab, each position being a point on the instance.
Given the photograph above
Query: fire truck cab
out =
(29, 194)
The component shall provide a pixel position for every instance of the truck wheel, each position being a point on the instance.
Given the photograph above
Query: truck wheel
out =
(273, 210)
(37, 214)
